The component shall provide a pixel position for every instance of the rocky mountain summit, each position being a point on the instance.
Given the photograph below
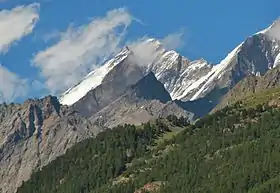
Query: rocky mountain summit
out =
(33, 134)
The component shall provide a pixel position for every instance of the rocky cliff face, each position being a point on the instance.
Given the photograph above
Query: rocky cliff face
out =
(35, 133)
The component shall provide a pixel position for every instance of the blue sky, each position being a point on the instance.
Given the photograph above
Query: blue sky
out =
(211, 29)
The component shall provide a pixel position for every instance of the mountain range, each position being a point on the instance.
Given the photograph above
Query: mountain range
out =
(189, 83)
(142, 82)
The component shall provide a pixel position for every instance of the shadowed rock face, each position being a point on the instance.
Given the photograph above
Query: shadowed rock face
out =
(145, 100)
(35, 133)
(149, 88)
(115, 83)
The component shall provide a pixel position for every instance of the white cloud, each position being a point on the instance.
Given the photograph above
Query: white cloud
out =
(173, 41)
(11, 85)
(80, 49)
(146, 50)
(17, 23)
(14, 25)
(53, 35)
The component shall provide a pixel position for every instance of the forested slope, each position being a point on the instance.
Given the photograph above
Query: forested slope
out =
(236, 149)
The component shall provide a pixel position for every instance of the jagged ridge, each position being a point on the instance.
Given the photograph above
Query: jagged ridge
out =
(33, 134)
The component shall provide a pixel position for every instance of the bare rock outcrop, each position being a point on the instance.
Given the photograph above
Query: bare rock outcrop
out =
(34, 133)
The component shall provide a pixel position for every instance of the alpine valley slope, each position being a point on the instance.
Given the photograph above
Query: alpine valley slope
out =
(189, 82)
(233, 150)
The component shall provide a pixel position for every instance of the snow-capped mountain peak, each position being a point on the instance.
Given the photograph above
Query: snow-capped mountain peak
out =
(216, 73)
(273, 27)
(93, 79)
(184, 79)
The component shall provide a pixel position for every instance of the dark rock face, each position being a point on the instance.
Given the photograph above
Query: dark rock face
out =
(203, 106)
(145, 100)
(113, 86)
(257, 55)
(149, 88)
(35, 133)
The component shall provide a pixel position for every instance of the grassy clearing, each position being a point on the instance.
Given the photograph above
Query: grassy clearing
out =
(166, 136)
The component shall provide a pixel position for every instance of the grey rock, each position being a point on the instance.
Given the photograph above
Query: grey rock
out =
(146, 100)
(34, 133)
(114, 84)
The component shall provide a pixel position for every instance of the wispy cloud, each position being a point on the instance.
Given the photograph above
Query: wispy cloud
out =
(11, 85)
(173, 41)
(147, 50)
(17, 23)
(80, 49)
(14, 25)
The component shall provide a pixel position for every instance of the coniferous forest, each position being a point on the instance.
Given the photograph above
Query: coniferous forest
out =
(236, 149)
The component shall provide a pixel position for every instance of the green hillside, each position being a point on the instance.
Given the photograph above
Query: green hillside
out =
(236, 149)
(269, 97)
(261, 97)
